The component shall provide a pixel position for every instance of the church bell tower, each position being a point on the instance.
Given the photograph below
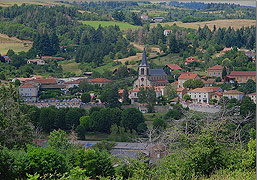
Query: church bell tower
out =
(143, 70)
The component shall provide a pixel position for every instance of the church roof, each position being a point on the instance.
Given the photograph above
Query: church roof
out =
(157, 72)
(144, 59)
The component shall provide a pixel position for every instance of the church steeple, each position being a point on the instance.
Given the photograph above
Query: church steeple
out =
(144, 59)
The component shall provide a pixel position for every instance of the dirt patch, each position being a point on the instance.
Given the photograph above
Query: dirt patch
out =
(4, 37)
(141, 47)
(137, 57)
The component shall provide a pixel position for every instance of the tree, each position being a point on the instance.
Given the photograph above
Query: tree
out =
(224, 72)
(247, 107)
(142, 127)
(171, 92)
(159, 124)
(250, 86)
(147, 96)
(58, 140)
(45, 160)
(111, 97)
(186, 97)
(85, 97)
(95, 162)
(72, 118)
(192, 84)
(125, 97)
(15, 126)
(131, 118)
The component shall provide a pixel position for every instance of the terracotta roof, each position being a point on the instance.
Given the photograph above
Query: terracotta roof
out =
(201, 90)
(191, 57)
(188, 75)
(27, 85)
(216, 67)
(243, 73)
(46, 81)
(212, 88)
(174, 100)
(233, 92)
(167, 30)
(73, 82)
(174, 66)
(101, 80)
(180, 89)
(252, 94)
(218, 93)
(209, 81)
(121, 91)
(24, 79)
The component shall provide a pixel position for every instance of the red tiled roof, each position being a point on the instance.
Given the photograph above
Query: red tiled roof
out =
(216, 67)
(167, 30)
(101, 80)
(204, 90)
(34, 60)
(188, 76)
(233, 92)
(212, 88)
(243, 73)
(174, 66)
(73, 82)
(252, 94)
(180, 89)
(191, 57)
(46, 81)
(27, 85)
(219, 93)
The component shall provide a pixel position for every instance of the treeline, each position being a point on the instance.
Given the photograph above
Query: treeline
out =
(95, 120)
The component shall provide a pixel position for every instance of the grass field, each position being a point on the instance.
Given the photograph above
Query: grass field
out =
(235, 23)
(70, 66)
(11, 3)
(13, 43)
(122, 25)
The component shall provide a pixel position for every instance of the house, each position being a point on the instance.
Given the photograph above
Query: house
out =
(242, 76)
(99, 81)
(50, 83)
(200, 95)
(5, 59)
(186, 76)
(215, 89)
(217, 96)
(133, 94)
(172, 67)
(209, 82)
(29, 91)
(191, 59)
(144, 17)
(36, 61)
(72, 84)
(150, 77)
(226, 49)
(120, 92)
(158, 19)
(234, 94)
(216, 71)
(252, 96)
(181, 92)
(166, 32)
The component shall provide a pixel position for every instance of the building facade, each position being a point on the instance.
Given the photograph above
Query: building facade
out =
(29, 91)
(150, 77)
(186, 76)
(252, 96)
(200, 95)
(234, 94)
(243, 76)
(216, 71)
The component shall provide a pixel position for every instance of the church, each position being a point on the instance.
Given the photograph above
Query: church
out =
(150, 77)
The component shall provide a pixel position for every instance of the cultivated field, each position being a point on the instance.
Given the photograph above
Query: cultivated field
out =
(70, 66)
(235, 23)
(122, 25)
(11, 3)
(13, 43)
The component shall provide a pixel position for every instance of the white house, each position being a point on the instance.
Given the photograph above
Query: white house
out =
(252, 96)
(36, 61)
(200, 95)
(234, 94)
(29, 91)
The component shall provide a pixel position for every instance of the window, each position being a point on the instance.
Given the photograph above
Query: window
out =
(214, 73)
(219, 73)
(21, 89)
(199, 96)
(142, 79)
(237, 78)
(142, 71)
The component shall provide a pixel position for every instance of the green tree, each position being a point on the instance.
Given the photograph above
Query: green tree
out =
(111, 97)
(224, 72)
(186, 97)
(131, 118)
(125, 97)
(85, 97)
(192, 84)
(72, 118)
(250, 86)
(45, 160)
(95, 162)
(142, 127)
(247, 107)
(58, 140)
(159, 124)
(147, 96)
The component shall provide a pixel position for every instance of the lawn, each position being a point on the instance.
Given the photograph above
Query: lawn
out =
(122, 25)
(70, 66)
(235, 23)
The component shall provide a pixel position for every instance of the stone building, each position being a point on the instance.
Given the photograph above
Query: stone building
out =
(150, 77)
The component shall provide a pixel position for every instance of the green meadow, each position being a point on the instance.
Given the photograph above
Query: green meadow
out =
(122, 25)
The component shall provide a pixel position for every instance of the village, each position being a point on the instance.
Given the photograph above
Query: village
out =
(204, 98)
